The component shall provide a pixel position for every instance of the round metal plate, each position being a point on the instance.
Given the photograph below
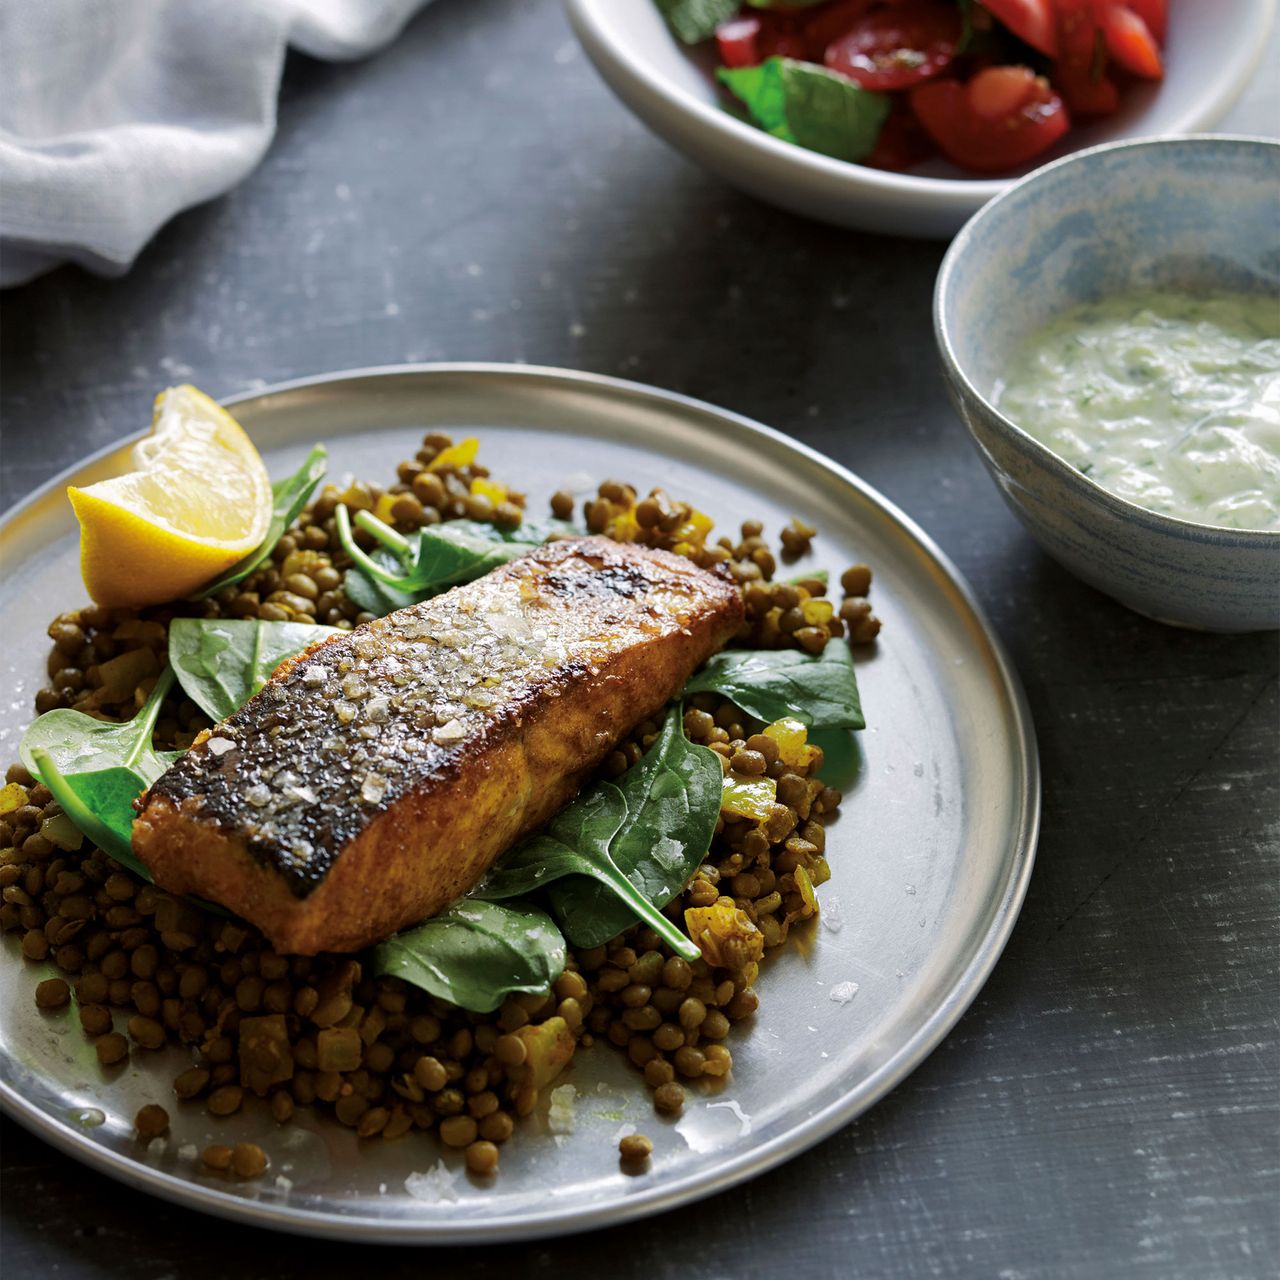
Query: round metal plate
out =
(930, 856)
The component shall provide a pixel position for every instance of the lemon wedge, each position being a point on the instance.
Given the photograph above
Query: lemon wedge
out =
(198, 501)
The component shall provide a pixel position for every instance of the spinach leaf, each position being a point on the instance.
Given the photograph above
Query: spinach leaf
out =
(809, 105)
(96, 769)
(401, 571)
(99, 803)
(673, 800)
(696, 20)
(289, 497)
(221, 663)
(373, 596)
(475, 954)
(77, 743)
(819, 689)
(627, 848)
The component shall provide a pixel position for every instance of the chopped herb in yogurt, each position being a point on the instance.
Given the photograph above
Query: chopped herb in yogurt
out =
(1171, 400)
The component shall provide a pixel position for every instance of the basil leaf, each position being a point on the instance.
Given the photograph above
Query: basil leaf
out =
(809, 105)
(221, 663)
(762, 91)
(289, 496)
(673, 800)
(628, 847)
(696, 20)
(819, 689)
(475, 954)
(77, 743)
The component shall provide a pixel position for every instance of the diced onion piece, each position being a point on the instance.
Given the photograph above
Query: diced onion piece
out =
(624, 526)
(461, 454)
(548, 1049)
(696, 528)
(62, 833)
(12, 796)
(805, 887)
(793, 742)
(382, 508)
(122, 675)
(725, 934)
(817, 612)
(749, 797)
(490, 489)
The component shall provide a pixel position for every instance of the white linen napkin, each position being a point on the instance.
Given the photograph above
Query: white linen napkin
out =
(116, 114)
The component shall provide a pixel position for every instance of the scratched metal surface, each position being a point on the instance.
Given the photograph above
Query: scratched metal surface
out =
(1109, 1106)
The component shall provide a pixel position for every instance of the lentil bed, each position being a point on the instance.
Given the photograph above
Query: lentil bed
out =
(147, 970)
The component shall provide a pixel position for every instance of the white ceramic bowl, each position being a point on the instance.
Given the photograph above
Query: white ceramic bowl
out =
(1213, 48)
(1179, 213)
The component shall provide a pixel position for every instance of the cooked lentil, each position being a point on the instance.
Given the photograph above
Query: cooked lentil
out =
(383, 1056)
(152, 1121)
(635, 1149)
(217, 1157)
(248, 1160)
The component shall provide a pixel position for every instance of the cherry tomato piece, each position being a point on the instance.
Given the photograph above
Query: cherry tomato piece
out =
(1080, 72)
(1084, 93)
(1130, 42)
(981, 143)
(902, 143)
(999, 91)
(1155, 13)
(895, 48)
(828, 22)
(1030, 20)
(781, 35)
(738, 42)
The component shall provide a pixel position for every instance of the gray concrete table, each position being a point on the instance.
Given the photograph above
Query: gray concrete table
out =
(1109, 1105)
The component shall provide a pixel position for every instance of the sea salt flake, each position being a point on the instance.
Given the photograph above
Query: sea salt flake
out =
(843, 992)
(220, 746)
(258, 795)
(313, 676)
(830, 914)
(373, 788)
(378, 710)
(450, 732)
(434, 1185)
(560, 1117)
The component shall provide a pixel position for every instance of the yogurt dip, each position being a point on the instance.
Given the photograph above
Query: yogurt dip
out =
(1170, 400)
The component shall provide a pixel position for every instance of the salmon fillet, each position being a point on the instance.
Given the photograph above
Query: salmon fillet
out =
(378, 774)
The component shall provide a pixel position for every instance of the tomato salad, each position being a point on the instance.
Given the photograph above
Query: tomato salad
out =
(892, 83)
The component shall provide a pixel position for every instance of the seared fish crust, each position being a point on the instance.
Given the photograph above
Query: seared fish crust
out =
(378, 774)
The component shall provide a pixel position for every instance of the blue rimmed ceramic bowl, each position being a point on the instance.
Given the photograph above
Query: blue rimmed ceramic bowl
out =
(1178, 213)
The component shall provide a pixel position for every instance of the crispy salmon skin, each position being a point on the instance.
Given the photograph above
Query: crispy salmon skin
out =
(378, 775)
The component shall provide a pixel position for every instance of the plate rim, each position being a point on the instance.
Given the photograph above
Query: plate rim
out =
(1025, 827)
